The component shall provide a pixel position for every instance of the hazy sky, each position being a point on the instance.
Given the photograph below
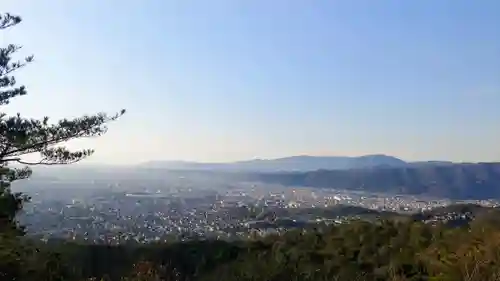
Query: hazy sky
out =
(223, 80)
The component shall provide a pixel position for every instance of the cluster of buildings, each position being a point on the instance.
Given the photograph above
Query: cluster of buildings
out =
(239, 211)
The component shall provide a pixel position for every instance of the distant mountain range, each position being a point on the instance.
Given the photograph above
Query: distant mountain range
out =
(370, 173)
(294, 163)
(456, 181)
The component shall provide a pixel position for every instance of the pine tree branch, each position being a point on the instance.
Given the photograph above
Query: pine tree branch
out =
(21, 136)
(8, 20)
(36, 146)
(17, 65)
(42, 135)
(40, 162)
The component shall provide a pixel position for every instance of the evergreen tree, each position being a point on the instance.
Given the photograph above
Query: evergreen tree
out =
(20, 136)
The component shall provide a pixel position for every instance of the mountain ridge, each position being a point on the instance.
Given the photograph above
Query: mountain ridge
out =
(456, 181)
(290, 163)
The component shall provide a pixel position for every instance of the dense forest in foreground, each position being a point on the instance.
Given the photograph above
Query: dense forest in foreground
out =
(385, 249)
(457, 181)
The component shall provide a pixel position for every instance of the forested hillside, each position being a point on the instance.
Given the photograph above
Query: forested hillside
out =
(457, 181)
(382, 250)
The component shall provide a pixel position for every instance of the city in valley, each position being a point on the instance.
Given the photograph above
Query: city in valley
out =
(148, 206)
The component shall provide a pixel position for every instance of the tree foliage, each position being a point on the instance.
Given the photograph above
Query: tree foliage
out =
(385, 250)
(21, 136)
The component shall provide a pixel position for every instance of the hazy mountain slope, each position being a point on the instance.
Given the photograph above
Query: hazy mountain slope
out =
(460, 181)
(294, 163)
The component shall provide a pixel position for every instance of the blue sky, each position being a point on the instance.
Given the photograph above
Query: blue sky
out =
(224, 80)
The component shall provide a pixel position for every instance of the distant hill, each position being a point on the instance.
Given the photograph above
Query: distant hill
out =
(293, 163)
(458, 181)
